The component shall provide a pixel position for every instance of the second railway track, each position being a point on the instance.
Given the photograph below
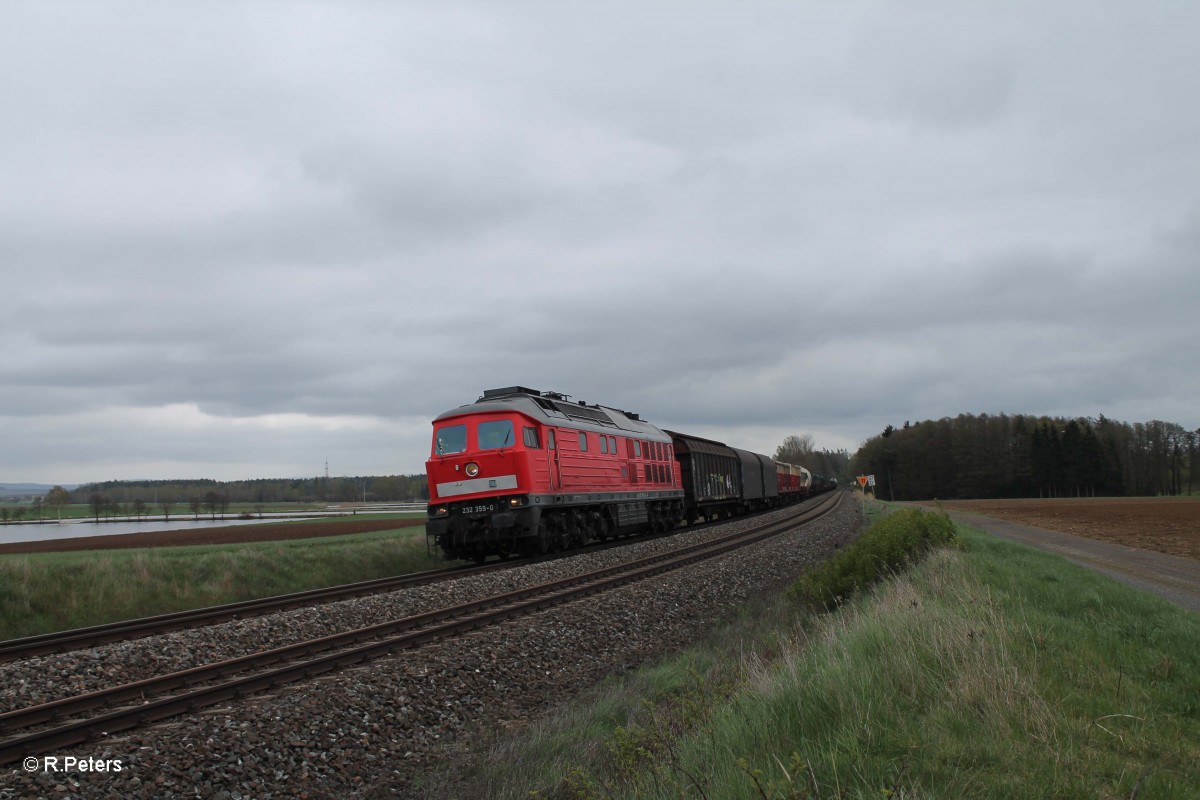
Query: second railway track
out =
(124, 630)
(224, 680)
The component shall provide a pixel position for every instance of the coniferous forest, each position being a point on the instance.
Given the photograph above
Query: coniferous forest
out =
(984, 456)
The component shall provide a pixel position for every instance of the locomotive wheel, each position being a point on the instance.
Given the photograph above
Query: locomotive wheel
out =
(599, 528)
(545, 538)
(506, 546)
(575, 534)
(568, 535)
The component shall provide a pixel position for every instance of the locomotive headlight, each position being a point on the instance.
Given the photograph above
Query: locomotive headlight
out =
(472, 469)
(514, 502)
(439, 511)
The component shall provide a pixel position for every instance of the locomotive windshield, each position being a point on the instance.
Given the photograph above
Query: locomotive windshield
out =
(451, 439)
(496, 434)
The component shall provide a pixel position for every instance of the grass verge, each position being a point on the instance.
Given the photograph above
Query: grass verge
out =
(57, 591)
(990, 671)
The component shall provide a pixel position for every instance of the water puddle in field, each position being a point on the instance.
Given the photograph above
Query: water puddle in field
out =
(31, 532)
(75, 528)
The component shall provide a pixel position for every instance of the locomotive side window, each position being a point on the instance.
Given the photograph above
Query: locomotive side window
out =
(582, 442)
(451, 439)
(495, 434)
(604, 445)
(550, 439)
(637, 448)
(531, 439)
(612, 445)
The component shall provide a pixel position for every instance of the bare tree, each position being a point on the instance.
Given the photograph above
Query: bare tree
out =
(58, 497)
(795, 449)
(212, 501)
(98, 504)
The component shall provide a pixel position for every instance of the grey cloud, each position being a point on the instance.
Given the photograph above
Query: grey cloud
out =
(783, 218)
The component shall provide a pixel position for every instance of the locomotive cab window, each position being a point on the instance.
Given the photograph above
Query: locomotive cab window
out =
(550, 439)
(495, 434)
(531, 439)
(451, 439)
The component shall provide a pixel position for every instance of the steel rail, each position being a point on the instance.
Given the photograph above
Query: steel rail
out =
(79, 638)
(125, 630)
(417, 630)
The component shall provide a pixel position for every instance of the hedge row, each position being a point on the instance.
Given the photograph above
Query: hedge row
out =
(887, 546)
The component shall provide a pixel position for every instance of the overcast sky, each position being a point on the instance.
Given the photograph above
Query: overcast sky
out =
(241, 239)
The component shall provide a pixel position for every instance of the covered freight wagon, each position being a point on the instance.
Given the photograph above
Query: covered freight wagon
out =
(721, 481)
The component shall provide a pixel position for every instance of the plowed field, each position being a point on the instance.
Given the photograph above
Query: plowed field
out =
(235, 534)
(1168, 525)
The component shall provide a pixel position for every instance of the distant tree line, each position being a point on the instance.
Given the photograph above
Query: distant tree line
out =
(215, 496)
(1024, 456)
(799, 450)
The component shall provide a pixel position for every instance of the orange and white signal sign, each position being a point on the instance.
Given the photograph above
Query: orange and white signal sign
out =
(862, 481)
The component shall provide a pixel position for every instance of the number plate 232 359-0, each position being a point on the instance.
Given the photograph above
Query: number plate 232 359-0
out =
(486, 508)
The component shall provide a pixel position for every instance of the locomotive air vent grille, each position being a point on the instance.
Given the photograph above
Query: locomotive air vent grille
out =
(583, 412)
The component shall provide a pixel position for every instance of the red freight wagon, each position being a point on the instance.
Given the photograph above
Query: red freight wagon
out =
(794, 481)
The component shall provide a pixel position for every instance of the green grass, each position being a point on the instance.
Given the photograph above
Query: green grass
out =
(890, 544)
(58, 591)
(991, 671)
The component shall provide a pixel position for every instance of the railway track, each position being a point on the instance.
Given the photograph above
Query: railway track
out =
(124, 630)
(25, 732)
(79, 638)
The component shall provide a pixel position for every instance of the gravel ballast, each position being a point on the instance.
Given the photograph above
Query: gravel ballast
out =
(375, 730)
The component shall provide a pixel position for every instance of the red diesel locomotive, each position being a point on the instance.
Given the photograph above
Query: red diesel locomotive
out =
(523, 471)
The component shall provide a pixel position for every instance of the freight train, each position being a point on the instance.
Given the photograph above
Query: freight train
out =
(521, 471)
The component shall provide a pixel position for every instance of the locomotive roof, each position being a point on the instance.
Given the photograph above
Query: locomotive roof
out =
(555, 408)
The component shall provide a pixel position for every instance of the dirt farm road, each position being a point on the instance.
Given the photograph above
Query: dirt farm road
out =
(1174, 578)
